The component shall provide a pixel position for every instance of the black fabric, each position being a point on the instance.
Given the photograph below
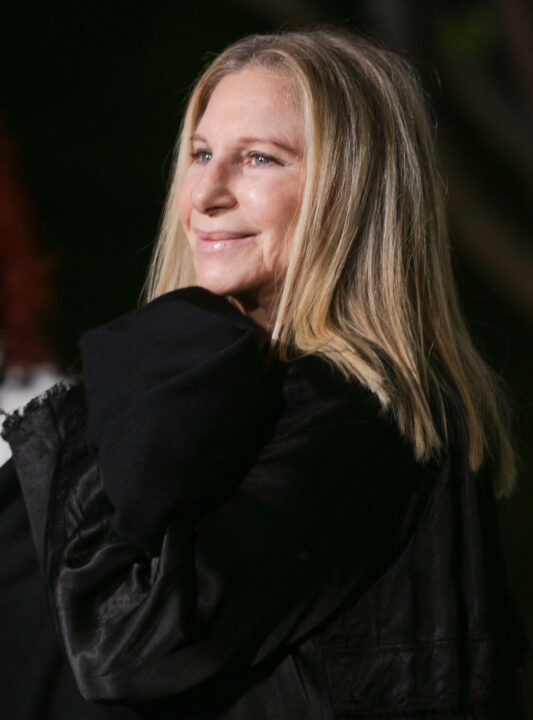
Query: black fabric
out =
(177, 389)
(36, 682)
(327, 576)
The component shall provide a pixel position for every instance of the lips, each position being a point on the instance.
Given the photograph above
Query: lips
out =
(221, 235)
(217, 241)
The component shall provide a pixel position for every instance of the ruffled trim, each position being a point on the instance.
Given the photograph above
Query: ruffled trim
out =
(13, 419)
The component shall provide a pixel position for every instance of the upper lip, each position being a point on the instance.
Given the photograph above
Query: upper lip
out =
(219, 234)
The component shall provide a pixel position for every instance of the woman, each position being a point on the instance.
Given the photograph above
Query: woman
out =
(287, 508)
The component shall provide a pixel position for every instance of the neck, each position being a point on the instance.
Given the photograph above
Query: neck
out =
(260, 313)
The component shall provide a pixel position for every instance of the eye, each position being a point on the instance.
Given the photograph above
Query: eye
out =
(201, 156)
(260, 159)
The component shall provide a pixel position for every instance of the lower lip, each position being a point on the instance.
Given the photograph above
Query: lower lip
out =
(213, 246)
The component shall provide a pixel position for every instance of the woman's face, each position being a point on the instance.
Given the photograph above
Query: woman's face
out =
(240, 198)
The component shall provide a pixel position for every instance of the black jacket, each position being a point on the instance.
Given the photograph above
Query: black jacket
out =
(221, 538)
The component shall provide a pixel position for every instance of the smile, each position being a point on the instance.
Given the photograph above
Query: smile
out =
(220, 240)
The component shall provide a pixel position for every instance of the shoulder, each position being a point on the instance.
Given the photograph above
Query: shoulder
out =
(174, 331)
(318, 400)
(332, 437)
(315, 392)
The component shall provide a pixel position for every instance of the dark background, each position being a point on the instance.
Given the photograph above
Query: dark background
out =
(92, 105)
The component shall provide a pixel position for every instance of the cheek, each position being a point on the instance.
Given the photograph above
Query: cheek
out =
(281, 217)
(273, 204)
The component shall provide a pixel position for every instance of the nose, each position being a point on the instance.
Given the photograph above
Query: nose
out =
(212, 193)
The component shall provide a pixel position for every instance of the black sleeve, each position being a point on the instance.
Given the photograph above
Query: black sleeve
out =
(230, 578)
(306, 528)
(35, 679)
(176, 389)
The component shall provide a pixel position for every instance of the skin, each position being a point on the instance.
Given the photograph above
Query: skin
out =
(240, 197)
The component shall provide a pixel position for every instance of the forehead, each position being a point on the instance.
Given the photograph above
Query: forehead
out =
(253, 99)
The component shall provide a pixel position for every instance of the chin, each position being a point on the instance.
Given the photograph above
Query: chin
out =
(220, 285)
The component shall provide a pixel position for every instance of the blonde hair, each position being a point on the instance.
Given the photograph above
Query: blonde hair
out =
(369, 284)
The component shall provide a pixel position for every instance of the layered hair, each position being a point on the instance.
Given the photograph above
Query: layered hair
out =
(369, 284)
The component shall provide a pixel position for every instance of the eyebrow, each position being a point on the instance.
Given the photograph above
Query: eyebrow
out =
(270, 141)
